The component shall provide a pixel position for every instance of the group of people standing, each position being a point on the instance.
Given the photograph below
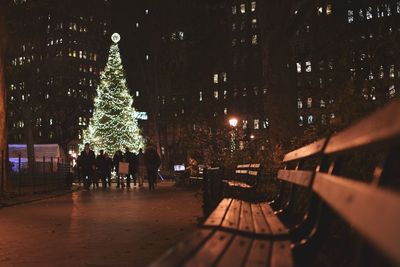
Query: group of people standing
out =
(91, 169)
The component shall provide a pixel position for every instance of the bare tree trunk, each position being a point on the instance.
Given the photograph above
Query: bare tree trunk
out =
(30, 141)
(3, 125)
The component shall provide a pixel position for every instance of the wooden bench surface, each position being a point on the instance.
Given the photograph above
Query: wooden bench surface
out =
(245, 217)
(208, 247)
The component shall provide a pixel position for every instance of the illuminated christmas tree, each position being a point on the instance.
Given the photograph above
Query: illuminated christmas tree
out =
(113, 125)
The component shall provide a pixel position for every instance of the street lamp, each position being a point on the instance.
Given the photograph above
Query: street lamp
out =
(233, 122)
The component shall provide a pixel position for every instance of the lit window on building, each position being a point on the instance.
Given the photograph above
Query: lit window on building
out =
(368, 13)
(265, 123)
(253, 6)
(323, 119)
(298, 66)
(309, 102)
(225, 111)
(200, 96)
(301, 120)
(254, 39)
(225, 94)
(373, 93)
(233, 26)
(254, 23)
(256, 124)
(329, 9)
(146, 11)
(255, 90)
(310, 119)
(215, 78)
(147, 57)
(234, 41)
(265, 91)
(391, 71)
(244, 123)
(398, 7)
(243, 40)
(381, 72)
(320, 10)
(392, 91)
(137, 93)
(332, 115)
(299, 103)
(182, 111)
(224, 77)
(245, 91)
(308, 66)
(137, 24)
(361, 14)
(350, 16)
(388, 10)
(233, 10)
(322, 103)
(242, 8)
(216, 94)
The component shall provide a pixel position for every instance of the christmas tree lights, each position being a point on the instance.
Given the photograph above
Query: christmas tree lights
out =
(113, 125)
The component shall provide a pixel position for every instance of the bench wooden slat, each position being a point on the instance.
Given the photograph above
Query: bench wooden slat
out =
(374, 212)
(305, 151)
(255, 165)
(236, 253)
(302, 178)
(238, 184)
(217, 216)
(253, 173)
(260, 223)
(259, 254)
(232, 216)
(246, 218)
(243, 166)
(177, 255)
(383, 125)
(281, 255)
(274, 223)
(210, 252)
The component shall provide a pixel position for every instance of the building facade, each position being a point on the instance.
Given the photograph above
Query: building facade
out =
(53, 68)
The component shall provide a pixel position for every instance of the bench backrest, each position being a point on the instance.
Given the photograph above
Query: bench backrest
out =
(374, 211)
(293, 162)
(248, 173)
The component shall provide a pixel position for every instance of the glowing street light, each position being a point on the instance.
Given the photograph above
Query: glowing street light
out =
(233, 122)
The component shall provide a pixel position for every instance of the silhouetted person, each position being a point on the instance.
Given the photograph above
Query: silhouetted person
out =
(118, 157)
(152, 161)
(109, 167)
(131, 158)
(87, 163)
(141, 170)
(101, 164)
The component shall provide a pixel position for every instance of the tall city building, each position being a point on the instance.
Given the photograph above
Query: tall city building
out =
(57, 50)
(344, 46)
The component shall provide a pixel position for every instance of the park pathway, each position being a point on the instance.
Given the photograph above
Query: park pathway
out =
(112, 227)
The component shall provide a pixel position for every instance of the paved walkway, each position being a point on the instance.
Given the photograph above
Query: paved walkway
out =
(116, 227)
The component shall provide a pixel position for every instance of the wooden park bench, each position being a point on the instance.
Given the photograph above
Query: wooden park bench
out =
(240, 233)
(244, 181)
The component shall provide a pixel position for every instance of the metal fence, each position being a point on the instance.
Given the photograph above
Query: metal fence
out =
(34, 176)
